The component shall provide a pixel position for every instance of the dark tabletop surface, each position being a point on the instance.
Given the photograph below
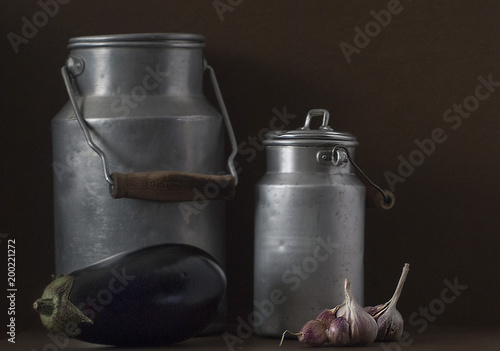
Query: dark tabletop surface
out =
(433, 338)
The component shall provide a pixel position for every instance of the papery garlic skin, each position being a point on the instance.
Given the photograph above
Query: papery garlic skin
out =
(363, 328)
(328, 316)
(390, 323)
(390, 326)
(338, 332)
(313, 333)
(373, 310)
(353, 325)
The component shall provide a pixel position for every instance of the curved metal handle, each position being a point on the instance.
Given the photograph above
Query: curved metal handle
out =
(317, 113)
(230, 132)
(65, 70)
(384, 198)
(170, 185)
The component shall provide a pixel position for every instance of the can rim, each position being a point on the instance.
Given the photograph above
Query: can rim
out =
(138, 40)
(308, 137)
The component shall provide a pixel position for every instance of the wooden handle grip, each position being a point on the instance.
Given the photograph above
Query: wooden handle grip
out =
(172, 186)
(375, 199)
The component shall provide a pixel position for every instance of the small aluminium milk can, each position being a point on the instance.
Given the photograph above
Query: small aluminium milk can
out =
(138, 150)
(309, 226)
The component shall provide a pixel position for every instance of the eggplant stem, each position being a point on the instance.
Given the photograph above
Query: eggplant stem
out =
(44, 306)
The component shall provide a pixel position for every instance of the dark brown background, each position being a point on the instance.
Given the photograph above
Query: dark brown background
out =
(275, 54)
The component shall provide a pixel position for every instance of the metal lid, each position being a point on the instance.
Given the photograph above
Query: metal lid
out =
(138, 39)
(306, 136)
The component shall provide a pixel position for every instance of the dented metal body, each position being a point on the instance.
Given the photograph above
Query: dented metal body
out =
(142, 99)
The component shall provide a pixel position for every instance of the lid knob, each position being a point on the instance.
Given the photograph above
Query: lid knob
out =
(317, 113)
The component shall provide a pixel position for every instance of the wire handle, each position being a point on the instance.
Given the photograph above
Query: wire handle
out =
(340, 153)
(230, 132)
(159, 185)
(83, 124)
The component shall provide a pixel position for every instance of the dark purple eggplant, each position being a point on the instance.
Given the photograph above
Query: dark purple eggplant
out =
(157, 295)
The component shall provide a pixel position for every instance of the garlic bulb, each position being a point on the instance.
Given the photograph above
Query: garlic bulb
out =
(352, 325)
(313, 333)
(389, 321)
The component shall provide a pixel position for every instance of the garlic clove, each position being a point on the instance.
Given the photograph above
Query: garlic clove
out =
(338, 332)
(328, 316)
(363, 326)
(390, 326)
(390, 323)
(313, 333)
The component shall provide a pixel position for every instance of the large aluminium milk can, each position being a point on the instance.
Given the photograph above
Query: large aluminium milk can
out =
(138, 150)
(309, 226)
